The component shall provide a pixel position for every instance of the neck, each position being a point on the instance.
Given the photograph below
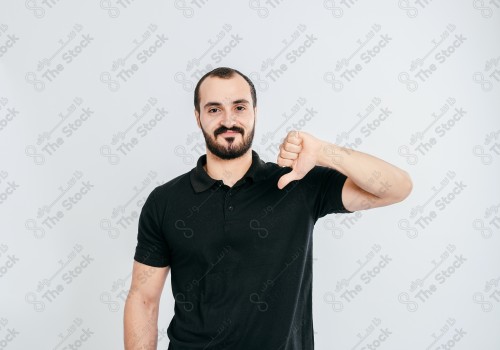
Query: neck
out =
(230, 170)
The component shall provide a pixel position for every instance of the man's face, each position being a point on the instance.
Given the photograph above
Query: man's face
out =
(227, 116)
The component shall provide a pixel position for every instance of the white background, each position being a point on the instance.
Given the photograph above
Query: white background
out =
(79, 125)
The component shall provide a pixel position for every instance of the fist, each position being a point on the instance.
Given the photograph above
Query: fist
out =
(298, 151)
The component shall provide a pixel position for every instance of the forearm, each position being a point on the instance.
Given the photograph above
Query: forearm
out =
(140, 324)
(370, 173)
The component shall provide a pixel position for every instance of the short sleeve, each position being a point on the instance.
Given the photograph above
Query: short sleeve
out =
(324, 191)
(152, 248)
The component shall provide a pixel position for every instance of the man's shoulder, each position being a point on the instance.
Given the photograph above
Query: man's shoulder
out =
(180, 182)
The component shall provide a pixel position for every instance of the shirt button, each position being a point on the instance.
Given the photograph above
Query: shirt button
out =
(230, 208)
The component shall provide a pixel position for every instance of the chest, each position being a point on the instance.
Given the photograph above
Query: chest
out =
(225, 227)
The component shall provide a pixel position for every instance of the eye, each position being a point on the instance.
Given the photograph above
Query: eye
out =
(213, 110)
(240, 108)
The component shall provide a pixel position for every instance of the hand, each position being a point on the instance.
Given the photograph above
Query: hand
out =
(300, 152)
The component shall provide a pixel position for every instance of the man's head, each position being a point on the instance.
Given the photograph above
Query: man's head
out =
(225, 104)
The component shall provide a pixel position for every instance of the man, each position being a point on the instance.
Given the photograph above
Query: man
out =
(236, 231)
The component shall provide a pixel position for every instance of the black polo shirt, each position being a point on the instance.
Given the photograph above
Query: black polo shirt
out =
(240, 256)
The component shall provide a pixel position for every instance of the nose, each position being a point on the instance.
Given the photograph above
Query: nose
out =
(228, 120)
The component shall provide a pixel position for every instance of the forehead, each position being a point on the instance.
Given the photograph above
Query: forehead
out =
(224, 90)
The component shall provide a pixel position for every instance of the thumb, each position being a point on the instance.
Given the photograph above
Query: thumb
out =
(287, 178)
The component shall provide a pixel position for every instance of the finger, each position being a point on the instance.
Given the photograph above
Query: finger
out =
(285, 162)
(294, 137)
(288, 155)
(290, 147)
(286, 179)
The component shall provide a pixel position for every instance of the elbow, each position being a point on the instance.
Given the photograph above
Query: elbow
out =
(143, 301)
(405, 186)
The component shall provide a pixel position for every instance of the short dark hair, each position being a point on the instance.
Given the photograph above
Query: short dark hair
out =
(224, 73)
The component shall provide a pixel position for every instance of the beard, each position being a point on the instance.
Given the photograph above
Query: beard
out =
(231, 150)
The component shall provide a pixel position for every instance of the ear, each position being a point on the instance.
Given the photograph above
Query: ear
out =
(197, 116)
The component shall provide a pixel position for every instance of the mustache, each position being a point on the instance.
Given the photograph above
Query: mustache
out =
(223, 129)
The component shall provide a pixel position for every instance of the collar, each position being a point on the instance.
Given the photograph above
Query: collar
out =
(201, 181)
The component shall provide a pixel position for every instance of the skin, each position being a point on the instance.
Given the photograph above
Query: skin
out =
(140, 319)
(226, 102)
(371, 183)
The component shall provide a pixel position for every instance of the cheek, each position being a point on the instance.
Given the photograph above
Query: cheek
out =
(208, 124)
(250, 124)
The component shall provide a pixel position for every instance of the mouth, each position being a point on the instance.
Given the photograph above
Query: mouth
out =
(229, 133)
(226, 133)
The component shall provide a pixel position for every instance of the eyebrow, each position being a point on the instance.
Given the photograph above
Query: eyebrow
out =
(212, 103)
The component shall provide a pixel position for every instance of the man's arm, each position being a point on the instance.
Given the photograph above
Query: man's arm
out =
(371, 182)
(140, 319)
